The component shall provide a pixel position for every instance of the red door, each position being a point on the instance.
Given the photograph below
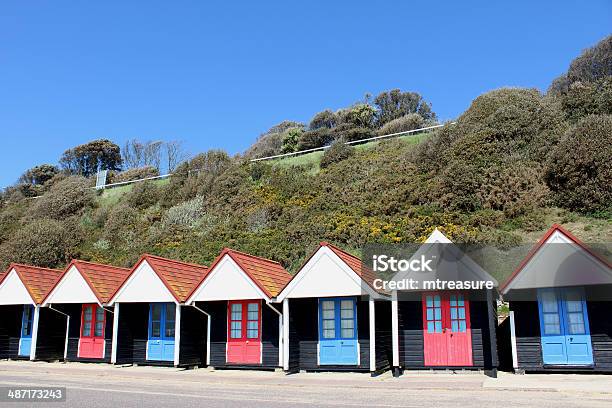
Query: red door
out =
(447, 336)
(91, 343)
(244, 332)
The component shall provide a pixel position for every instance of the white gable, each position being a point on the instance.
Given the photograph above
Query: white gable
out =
(144, 285)
(13, 291)
(561, 262)
(72, 289)
(325, 275)
(437, 237)
(227, 281)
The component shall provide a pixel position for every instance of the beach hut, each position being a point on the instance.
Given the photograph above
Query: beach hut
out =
(81, 295)
(152, 325)
(334, 319)
(444, 329)
(26, 330)
(245, 327)
(560, 300)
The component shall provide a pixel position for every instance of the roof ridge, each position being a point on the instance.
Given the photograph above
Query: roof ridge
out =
(145, 256)
(99, 264)
(226, 250)
(339, 249)
(13, 264)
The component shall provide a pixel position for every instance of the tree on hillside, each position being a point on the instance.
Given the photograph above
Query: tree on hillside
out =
(593, 64)
(271, 142)
(395, 103)
(325, 119)
(89, 158)
(39, 175)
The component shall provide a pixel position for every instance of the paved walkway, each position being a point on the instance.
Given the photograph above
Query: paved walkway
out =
(105, 385)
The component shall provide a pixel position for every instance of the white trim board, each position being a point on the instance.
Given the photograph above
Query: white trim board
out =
(72, 288)
(326, 275)
(13, 291)
(227, 281)
(143, 286)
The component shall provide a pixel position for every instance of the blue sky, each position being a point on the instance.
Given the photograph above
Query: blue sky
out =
(218, 75)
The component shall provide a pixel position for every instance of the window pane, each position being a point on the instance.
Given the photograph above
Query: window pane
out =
(236, 311)
(549, 302)
(329, 333)
(327, 305)
(347, 324)
(453, 300)
(438, 327)
(462, 313)
(455, 326)
(347, 313)
(99, 313)
(156, 311)
(429, 314)
(429, 301)
(438, 313)
(346, 304)
(99, 329)
(252, 330)
(87, 329)
(328, 324)
(347, 333)
(328, 314)
(453, 313)
(87, 314)
(430, 327)
(169, 332)
(155, 329)
(576, 321)
(236, 330)
(253, 311)
(460, 300)
(462, 326)
(437, 301)
(574, 306)
(170, 311)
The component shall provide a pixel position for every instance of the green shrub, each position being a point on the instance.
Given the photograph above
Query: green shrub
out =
(336, 153)
(407, 122)
(143, 195)
(135, 174)
(66, 198)
(315, 138)
(579, 170)
(44, 242)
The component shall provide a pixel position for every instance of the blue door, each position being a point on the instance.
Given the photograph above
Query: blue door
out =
(564, 327)
(160, 345)
(338, 332)
(25, 342)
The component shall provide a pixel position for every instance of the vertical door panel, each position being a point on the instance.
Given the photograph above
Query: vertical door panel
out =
(459, 332)
(577, 336)
(25, 341)
(434, 336)
(551, 327)
(91, 341)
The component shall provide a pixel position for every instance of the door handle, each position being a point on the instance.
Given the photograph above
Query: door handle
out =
(247, 342)
(571, 339)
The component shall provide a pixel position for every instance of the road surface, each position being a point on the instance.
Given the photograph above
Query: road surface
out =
(98, 385)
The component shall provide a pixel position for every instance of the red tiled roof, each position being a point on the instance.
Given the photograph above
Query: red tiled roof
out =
(541, 242)
(180, 278)
(268, 275)
(38, 281)
(103, 280)
(354, 263)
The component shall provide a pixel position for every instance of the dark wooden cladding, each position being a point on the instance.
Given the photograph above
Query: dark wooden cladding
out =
(132, 333)
(483, 322)
(384, 350)
(218, 335)
(193, 337)
(10, 330)
(51, 338)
